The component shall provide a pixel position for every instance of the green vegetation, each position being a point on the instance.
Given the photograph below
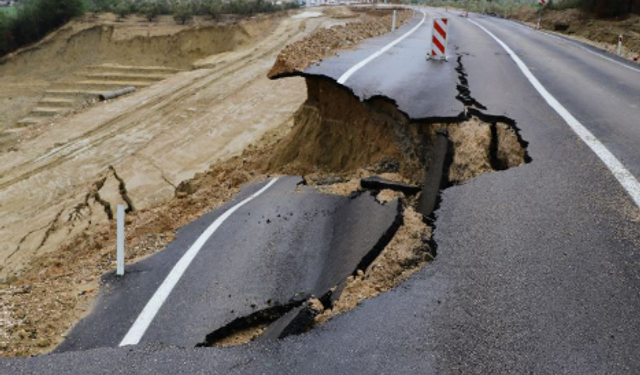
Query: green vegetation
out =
(33, 20)
(185, 10)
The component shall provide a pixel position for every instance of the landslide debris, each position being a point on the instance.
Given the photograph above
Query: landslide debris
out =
(334, 140)
(298, 56)
(341, 144)
(56, 289)
(334, 132)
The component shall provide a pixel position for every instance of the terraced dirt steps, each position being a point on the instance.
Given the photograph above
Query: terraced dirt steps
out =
(88, 84)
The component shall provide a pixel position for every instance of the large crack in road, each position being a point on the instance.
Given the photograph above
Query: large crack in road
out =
(336, 133)
(349, 240)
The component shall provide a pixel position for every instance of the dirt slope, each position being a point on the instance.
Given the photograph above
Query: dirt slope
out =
(60, 185)
(49, 64)
(153, 139)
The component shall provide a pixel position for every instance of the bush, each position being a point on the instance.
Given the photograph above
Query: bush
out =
(103, 6)
(611, 8)
(215, 9)
(182, 13)
(150, 11)
(122, 10)
(6, 38)
(34, 20)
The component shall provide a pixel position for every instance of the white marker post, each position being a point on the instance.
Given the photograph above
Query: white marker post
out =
(620, 39)
(120, 241)
(541, 4)
(393, 23)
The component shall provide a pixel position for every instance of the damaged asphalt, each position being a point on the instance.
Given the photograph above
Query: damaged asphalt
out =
(289, 245)
(537, 267)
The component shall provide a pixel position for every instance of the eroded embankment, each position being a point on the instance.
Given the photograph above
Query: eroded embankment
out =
(83, 43)
(339, 142)
(335, 140)
(298, 56)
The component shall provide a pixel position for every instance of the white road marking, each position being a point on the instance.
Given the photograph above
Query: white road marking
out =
(149, 312)
(624, 177)
(343, 78)
(577, 45)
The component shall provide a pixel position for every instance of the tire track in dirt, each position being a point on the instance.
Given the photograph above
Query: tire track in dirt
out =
(173, 101)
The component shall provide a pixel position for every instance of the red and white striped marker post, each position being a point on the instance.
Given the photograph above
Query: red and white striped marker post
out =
(439, 39)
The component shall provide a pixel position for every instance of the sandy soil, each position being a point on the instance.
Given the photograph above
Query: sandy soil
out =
(154, 140)
(160, 151)
(58, 60)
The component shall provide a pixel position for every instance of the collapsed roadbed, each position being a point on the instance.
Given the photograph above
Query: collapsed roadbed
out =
(335, 140)
(313, 247)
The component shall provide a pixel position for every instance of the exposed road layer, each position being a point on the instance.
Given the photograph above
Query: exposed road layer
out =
(284, 245)
(537, 268)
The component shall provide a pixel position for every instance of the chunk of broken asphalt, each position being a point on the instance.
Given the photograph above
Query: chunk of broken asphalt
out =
(294, 322)
(377, 183)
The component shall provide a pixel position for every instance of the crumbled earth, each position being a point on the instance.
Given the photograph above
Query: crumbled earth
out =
(298, 56)
(406, 254)
(55, 283)
(57, 288)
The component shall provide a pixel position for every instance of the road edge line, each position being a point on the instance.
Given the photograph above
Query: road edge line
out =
(140, 326)
(624, 177)
(584, 48)
(344, 77)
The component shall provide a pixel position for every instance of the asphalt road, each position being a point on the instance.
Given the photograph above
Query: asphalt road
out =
(538, 267)
(286, 245)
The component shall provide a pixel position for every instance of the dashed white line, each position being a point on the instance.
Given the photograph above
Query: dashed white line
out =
(152, 307)
(624, 177)
(343, 78)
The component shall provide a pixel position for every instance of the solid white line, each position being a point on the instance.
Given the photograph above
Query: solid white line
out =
(624, 177)
(343, 78)
(577, 45)
(149, 312)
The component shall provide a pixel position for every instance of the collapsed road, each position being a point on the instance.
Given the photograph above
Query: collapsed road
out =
(537, 266)
(276, 251)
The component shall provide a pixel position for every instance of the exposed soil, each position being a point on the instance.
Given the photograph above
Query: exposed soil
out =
(407, 253)
(52, 293)
(337, 140)
(296, 57)
(602, 33)
(152, 151)
(60, 61)
(336, 132)
(154, 139)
